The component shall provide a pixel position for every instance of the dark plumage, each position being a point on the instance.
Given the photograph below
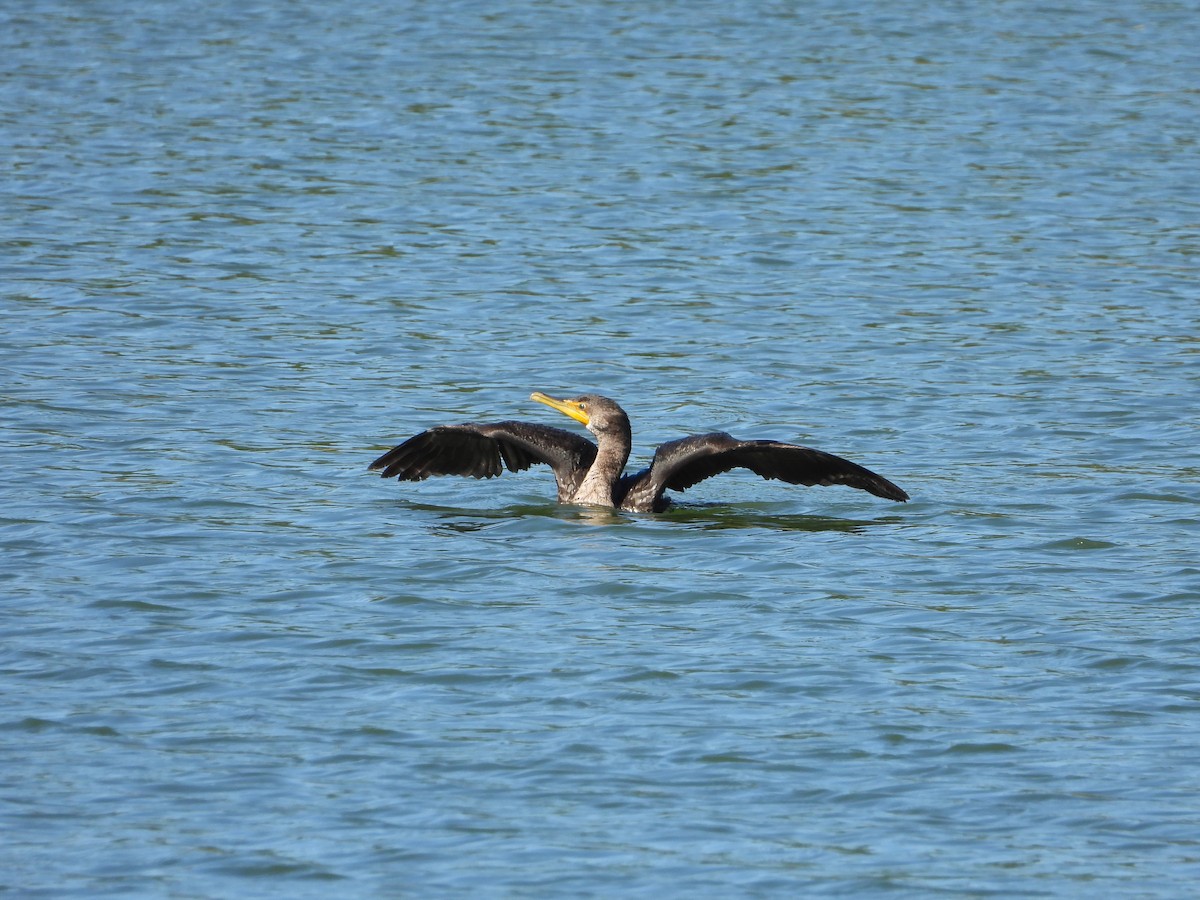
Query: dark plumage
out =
(591, 474)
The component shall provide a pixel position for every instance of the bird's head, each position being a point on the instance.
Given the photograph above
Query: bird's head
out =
(598, 414)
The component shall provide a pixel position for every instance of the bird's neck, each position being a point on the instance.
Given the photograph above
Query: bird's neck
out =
(611, 455)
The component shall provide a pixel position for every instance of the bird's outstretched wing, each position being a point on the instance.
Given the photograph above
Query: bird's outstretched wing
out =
(680, 464)
(484, 450)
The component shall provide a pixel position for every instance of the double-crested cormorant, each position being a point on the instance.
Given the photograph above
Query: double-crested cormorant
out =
(591, 474)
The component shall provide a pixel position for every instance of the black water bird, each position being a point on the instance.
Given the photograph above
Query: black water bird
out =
(592, 474)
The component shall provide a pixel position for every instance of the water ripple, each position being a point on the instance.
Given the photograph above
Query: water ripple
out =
(245, 252)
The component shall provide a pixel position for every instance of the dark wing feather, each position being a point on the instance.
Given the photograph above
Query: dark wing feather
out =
(680, 464)
(484, 451)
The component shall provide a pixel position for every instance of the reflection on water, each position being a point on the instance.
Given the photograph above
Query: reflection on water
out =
(700, 516)
(721, 517)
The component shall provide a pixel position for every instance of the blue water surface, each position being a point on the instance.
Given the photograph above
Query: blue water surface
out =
(248, 246)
